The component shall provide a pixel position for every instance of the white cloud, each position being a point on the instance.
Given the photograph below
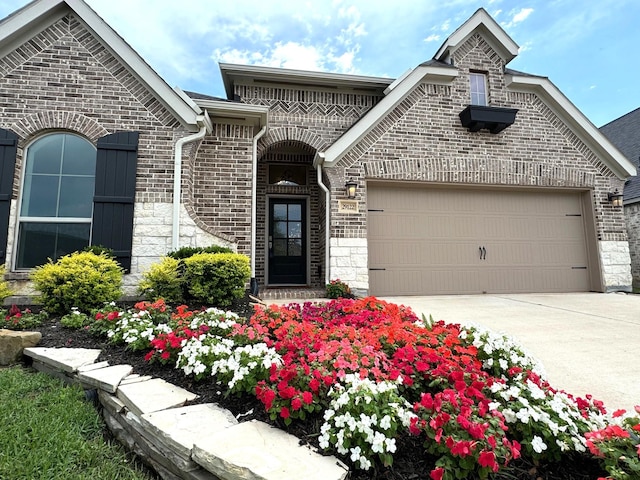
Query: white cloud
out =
(432, 38)
(517, 17)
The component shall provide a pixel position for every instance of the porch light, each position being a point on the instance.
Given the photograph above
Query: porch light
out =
(616, 198)
(351, 188)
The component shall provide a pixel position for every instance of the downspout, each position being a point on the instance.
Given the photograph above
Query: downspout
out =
(327, 222)
(253, 285)
(177, 178)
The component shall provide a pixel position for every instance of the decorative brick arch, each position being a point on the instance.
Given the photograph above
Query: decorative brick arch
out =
(290, 134)
(35, 123)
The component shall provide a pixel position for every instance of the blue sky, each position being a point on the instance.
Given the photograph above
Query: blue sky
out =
(589, 49)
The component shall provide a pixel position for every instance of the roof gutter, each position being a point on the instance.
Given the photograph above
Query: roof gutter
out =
(253, 285)
(204, 123)
(318, 161)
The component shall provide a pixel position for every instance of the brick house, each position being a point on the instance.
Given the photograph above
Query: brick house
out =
(462, 176)
(624, 133)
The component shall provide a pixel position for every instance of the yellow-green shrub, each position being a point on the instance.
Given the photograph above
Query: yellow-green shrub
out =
(216, 278)
(5, 291)
(82, 279)
(162, 280)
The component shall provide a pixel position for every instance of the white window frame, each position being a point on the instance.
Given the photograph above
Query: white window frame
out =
(478, 97)
(52, 220)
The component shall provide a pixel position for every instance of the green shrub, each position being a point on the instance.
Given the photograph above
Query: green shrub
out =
(216, 278)
(99, 249)
(5, 291)
(82, 279)
(163, 280)
(186, 252)
(338, 289)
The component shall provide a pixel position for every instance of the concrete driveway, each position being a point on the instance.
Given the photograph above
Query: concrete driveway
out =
(588, 342)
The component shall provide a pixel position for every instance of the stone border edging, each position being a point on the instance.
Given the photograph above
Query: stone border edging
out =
(196, 442)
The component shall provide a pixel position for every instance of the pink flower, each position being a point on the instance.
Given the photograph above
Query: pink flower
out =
(437, 474)
(284, 412)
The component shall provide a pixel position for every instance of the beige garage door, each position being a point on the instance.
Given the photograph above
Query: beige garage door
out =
(429, 241)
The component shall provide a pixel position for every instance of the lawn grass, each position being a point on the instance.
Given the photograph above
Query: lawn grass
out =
(48, 431)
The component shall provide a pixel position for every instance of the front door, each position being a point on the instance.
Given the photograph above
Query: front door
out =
(287, 242)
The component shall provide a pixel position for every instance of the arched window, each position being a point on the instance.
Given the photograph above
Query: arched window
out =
(57, 199)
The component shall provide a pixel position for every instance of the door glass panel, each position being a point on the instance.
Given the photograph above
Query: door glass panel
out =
(280, 230)
(280, 248)
(295, 247)
(295, 230)
(279, 212)
(295, 212)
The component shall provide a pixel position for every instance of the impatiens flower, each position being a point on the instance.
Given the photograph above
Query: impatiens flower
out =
(284, 412)
(437, 474)
(488, 459)
(538, 444)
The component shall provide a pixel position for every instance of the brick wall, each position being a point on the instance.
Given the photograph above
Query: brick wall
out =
(65, 79)
(632, 216)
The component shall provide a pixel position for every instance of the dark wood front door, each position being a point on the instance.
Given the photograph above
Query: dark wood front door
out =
(287, 241)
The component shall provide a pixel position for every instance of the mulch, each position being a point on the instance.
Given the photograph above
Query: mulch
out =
(410, 461)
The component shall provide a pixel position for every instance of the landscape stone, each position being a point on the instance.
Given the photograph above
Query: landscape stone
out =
(13, 343)
(110, 402)
(153, 395)
(93, 366)
(107, 378)
(65, 359)
(256, 451)
(178, 428)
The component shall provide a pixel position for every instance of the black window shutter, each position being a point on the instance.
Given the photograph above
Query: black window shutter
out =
(8, 151)
(115, 193)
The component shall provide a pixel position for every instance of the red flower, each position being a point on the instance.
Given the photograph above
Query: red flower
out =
(619, 413)
(437, 474)
(307, 397)
(488, 459)
(296, 404)
(284, 412)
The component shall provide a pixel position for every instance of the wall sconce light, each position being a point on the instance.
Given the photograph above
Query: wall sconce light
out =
(351, 188)
(616, 198)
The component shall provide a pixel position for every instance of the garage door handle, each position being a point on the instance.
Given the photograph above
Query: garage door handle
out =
(483, 253)
(377, 269)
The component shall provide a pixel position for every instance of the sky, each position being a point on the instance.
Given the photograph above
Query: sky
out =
(588, 49)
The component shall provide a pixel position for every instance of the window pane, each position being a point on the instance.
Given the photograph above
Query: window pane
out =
(288, 175)
(79, 156)
(40, 197)
(76, 197)
(40, 241)
(45, 155)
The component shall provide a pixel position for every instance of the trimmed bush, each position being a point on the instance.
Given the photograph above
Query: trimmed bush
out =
(163, 280)
(5, 291)
(186, 252)
(82, 279)
(216, 278)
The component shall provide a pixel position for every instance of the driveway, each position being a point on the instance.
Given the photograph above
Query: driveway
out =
(588, 342)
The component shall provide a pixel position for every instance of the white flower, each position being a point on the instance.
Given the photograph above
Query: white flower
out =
(355, 454)
(538, 444)
(385, 422)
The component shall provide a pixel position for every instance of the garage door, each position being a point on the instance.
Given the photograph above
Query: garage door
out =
(429, 241)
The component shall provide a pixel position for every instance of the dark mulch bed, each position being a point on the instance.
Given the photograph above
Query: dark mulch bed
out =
(410, 461)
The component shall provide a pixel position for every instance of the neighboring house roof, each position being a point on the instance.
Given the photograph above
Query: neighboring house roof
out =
(36, 16)
(439, 70)
(624, 133)
(231, 73)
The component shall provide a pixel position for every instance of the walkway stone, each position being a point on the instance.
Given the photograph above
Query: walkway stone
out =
(65, 359)
(107, 378)
(256, 451)
(179, 428)
(153, 395)
(13, 343)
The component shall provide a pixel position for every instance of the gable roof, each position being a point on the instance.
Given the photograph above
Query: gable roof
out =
(493, 33)
(439, 71)
(624, 133)
(36, 16)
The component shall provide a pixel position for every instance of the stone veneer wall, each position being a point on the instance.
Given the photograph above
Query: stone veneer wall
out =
(632, 217)
(616, 265)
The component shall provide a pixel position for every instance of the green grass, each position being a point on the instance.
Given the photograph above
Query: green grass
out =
(49, 432)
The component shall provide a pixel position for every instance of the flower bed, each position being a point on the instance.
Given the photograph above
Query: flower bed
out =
(373, 373)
